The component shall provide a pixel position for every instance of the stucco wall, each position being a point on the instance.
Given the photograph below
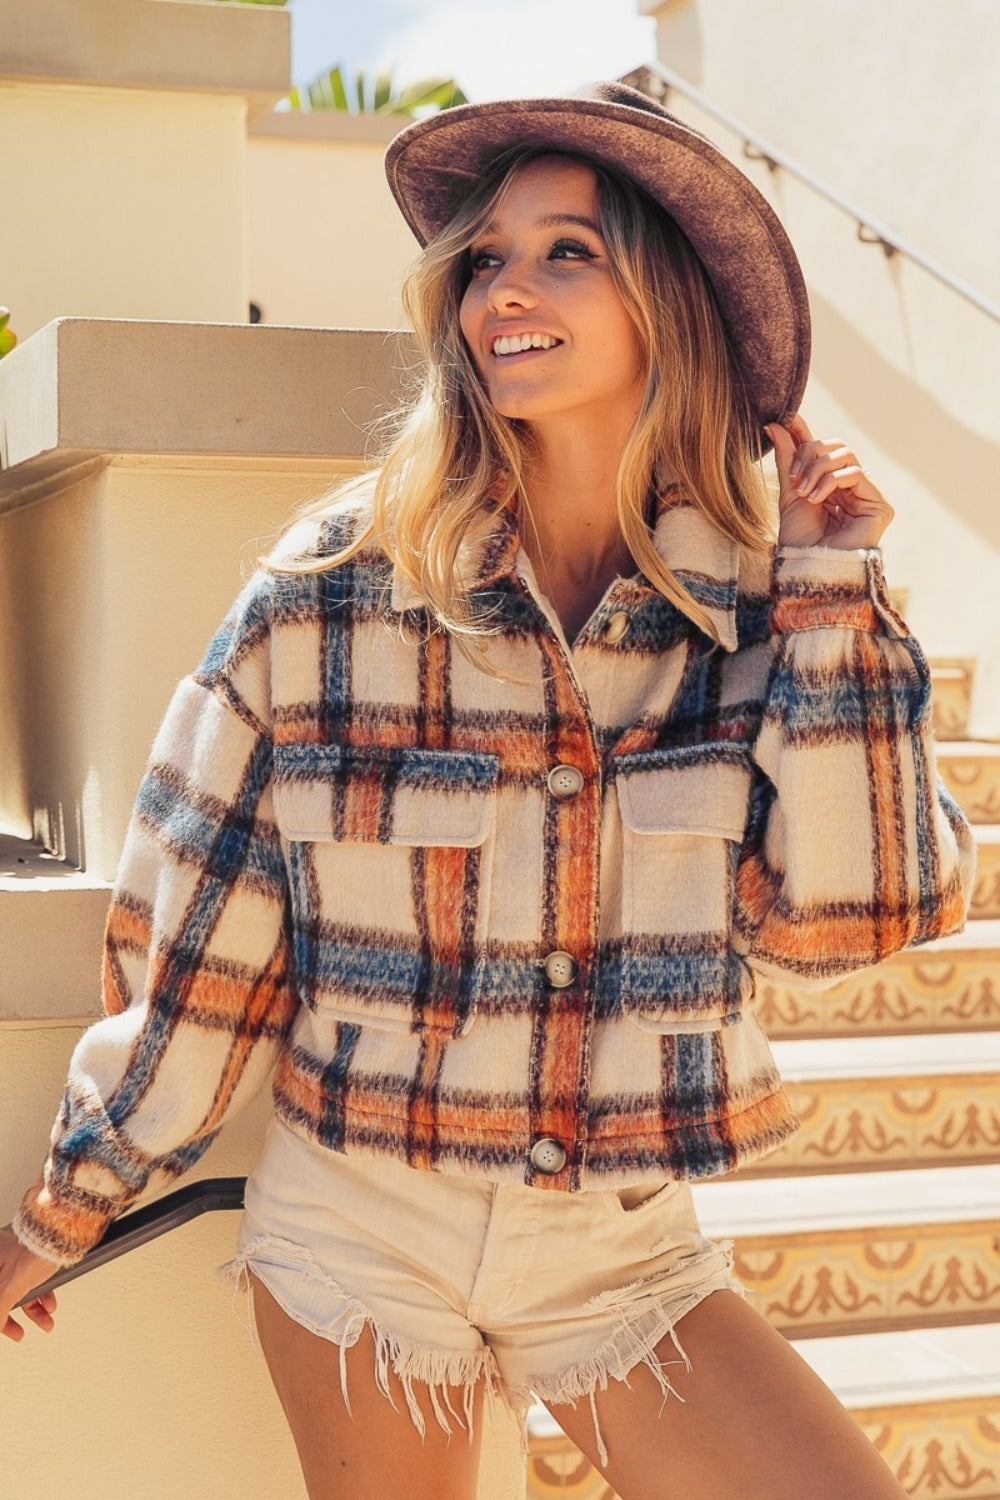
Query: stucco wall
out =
(326, 244)
(121, 203)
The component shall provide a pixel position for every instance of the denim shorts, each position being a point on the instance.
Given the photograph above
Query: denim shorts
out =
(536, 1293)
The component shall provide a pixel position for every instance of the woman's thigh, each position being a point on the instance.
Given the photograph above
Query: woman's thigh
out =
(373, 1451)
(755, 1422)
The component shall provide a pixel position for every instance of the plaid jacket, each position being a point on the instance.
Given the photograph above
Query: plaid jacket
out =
(463, 913)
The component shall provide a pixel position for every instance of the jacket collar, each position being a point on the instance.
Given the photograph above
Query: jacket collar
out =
(704, 560)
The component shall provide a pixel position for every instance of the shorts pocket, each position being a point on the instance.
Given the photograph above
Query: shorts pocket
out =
(683, 818)
(389, 853)
(646, 1195)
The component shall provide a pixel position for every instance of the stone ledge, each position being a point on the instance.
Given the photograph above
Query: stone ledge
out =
(329, 125)
(157, 44)
(51, 928)
(83, 389)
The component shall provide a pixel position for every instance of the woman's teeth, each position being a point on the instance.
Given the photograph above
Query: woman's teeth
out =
(515, 345)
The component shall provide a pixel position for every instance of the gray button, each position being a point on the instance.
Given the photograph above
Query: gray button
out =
(617, 627)
(560, 969)
(548, 1155)
(565, 781)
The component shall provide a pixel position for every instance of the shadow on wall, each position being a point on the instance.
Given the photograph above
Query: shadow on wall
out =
(912, 424)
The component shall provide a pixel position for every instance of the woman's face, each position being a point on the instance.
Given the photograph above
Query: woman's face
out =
(541, 315)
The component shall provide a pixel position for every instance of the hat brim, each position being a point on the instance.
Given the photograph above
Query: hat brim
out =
(432, 167)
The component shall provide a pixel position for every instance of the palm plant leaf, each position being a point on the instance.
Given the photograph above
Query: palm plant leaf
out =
(438, 93)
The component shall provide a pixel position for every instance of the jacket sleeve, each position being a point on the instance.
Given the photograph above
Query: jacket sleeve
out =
(196, 983)
(853, 849)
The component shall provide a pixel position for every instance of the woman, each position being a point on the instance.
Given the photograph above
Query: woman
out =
(495, 791)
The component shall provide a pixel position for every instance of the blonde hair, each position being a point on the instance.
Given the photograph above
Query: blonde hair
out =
(452, 457)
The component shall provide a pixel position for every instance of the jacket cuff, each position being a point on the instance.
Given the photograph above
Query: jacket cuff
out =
(813, 587)
(59, 1230)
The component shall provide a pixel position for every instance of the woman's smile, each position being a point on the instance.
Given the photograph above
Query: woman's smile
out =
(542, 315)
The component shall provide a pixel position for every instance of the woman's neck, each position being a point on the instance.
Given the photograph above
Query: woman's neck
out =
(570, 528)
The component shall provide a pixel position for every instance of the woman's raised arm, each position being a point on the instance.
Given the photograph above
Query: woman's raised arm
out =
(853, 849)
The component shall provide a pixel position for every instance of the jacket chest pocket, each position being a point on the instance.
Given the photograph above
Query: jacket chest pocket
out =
(683, 818)
(389, 857)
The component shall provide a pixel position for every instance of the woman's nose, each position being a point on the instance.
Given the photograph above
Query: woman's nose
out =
(511, 287)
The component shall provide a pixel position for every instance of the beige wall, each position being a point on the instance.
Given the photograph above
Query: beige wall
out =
(326, 244)
(121, 203)
(895, 105)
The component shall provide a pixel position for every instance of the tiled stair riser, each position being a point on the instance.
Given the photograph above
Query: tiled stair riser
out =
(850, 1125)
(941, 1451)
(951, 696)
(973, 778)
(944, 1450)
(558, 1471)
(916, 992)
(937, 1452)
(986, 891)
(844, 1281)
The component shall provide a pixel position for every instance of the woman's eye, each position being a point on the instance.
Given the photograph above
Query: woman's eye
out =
(483, 260)
(570, 250)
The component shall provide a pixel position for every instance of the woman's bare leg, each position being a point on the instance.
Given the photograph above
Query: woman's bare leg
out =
(374, 1452)
(756, 1423)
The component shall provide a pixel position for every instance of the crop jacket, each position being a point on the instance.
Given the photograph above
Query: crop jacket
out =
(506, 924)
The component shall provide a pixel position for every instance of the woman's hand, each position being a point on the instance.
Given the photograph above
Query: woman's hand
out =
(826, 499)
(20, 1270)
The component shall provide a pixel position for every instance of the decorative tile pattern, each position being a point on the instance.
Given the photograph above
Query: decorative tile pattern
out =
(914, 992)
(948, 1450)
(863, 1281)
(942, 1450)
(951, 681)
(557, 1470)
(986, 891)
(974, 782)
(849, 1124)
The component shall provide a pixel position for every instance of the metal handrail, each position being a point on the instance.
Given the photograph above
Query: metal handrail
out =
(148, 1223)
(656, 81)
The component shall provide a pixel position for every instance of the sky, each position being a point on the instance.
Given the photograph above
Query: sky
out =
(492, 48)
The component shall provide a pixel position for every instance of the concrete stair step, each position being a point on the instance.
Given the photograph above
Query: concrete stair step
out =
(928, 1399)
(950, 985)
(986, 891)
(889, 1101)
(951, 695)
(970, 769)
(862, 1253)
(50, 949)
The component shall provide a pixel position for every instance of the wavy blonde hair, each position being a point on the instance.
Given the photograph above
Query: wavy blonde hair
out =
(452, 458)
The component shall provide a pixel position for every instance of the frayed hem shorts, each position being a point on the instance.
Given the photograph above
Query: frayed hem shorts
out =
(461, 1279)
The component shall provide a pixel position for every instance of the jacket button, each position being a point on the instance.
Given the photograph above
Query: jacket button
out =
(560, 969)
(565, 781)
(548, 1155)
(617, 627)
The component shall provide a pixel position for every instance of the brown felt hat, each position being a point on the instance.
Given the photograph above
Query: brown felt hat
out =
(433, 165)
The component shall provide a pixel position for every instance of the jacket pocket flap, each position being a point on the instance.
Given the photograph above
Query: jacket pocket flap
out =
(669, 791)
(384, 794)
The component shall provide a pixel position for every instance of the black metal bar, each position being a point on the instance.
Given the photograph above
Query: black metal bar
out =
(657, 81)
(148, 1223)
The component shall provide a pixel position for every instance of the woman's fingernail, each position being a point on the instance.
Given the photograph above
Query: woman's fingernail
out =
(795, 470)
